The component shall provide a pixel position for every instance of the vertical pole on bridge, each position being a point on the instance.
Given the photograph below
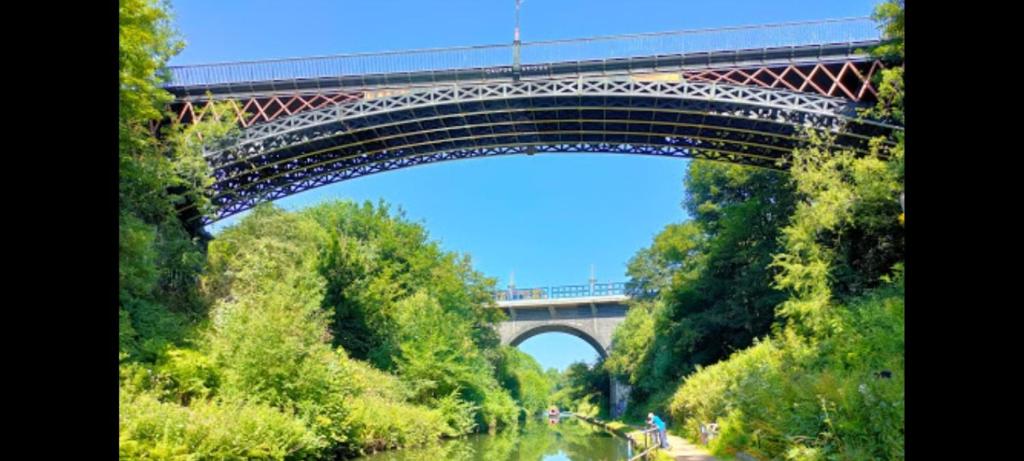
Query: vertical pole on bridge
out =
(593, 280)
(593, 308)
(515, 48)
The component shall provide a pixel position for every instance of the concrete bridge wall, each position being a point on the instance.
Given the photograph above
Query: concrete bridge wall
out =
(594, 323)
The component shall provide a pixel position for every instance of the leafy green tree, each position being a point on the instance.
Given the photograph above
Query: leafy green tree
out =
(439, 358)
(289, 274)
(713, 277)
(673, 256)
(632, 343)
(845, 233)
(271, 340)
(890, 14)
(732, 301)
(159, 262)
(527, 382)
(400, 302)
(583, 388)
(373, 260)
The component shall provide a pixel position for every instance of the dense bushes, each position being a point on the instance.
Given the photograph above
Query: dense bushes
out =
(267, 349)
(214, 430)
(438, 358)
(374, 415)
(803, 399)
(270, 274)
(827, 383)
(380, 424)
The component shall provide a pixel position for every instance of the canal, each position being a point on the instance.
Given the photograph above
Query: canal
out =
(540, 439)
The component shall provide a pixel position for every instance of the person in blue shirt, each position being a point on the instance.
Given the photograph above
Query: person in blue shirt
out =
(657, 422)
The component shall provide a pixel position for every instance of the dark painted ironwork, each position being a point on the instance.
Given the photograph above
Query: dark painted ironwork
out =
(742, 124)
(850, 79)
(695, 94)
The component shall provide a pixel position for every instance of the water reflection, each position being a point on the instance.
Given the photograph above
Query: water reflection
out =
(548, 439)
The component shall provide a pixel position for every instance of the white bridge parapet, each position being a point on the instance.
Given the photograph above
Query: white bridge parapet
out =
(560, 302)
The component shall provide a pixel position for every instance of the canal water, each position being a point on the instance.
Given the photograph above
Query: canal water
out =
(538, 440)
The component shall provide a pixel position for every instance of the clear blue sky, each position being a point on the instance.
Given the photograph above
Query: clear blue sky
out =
(548, 218)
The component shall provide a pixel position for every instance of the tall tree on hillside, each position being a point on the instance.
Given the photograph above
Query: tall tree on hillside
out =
(158, 260)
(713, 276)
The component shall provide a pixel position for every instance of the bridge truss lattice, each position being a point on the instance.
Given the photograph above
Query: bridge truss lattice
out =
(742, 124)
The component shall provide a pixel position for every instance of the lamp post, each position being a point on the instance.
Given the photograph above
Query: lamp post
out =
(592, 280)
(515, 48)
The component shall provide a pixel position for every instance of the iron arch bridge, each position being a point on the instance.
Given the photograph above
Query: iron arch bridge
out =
(708, 94)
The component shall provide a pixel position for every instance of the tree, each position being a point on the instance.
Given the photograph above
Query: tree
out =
(159, 262)
(528, 383)
(713, 278)
(827, 384)
(373, 260)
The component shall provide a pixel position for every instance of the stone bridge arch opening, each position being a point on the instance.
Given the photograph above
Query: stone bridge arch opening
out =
(588, 312)
(601, 350)
(618, 393)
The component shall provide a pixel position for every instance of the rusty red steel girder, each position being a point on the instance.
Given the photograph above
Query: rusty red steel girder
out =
(264, 108)
(851, 80)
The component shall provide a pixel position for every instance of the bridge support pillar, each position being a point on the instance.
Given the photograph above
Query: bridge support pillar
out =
(619, 398)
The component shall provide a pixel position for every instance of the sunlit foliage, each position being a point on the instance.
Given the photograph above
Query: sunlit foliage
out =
(821, 284)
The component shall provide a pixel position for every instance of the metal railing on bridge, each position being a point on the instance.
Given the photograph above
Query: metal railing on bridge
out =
(492, 58)
(571, 291)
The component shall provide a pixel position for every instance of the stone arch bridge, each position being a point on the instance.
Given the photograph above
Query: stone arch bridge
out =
(589, 312)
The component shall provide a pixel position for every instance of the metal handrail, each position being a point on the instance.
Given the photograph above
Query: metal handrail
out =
(791, 34)
(648, 447)
(563, 291)
(572, 291)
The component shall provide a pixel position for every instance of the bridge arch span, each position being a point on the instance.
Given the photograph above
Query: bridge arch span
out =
(522, 336)
(740, 124)
(592, 319)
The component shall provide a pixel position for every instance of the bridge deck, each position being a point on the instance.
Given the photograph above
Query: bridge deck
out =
(662, 50)
(188, 88)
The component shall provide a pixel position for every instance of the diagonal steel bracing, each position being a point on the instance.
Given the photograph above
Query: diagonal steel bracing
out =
(850, 79)
(742, 94)
(745, 124)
